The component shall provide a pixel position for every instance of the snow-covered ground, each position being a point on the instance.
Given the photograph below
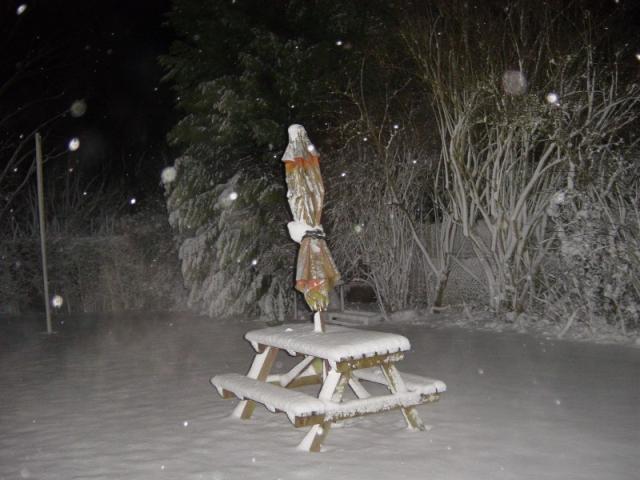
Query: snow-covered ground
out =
(129, 398)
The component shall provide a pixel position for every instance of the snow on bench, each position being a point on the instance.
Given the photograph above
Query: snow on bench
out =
(335, 344)
(363, 406)
(298, 406)
(414, 383)
(293, 403)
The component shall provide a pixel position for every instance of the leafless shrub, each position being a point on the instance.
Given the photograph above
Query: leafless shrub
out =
(506, 151)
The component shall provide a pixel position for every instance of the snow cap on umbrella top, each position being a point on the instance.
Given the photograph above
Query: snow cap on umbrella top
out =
(299, 144)
(295, 131)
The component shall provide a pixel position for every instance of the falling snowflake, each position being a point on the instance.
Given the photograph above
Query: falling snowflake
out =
(552, 98)
(339, 43)
(21, 9)
(132, 201)
(254, 262)
(78, 108)
(233, 196)
(514, 82)
(168, 175)
(74, 144)
(57, 301)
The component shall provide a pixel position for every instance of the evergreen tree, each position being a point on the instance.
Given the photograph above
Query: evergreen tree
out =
(242, 72)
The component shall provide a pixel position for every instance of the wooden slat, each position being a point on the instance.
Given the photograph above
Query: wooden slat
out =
(335, 417)
(306, 380)
(368, 362)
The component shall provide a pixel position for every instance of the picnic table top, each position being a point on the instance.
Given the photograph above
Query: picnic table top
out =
(335, 343)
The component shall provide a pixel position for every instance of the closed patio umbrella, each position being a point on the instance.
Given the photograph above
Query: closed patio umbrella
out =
(316, 272)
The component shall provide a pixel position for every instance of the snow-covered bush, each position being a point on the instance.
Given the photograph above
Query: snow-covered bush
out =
(370, 236)
(132, 268)
(515, 124)
(381, 209)
(596, 279)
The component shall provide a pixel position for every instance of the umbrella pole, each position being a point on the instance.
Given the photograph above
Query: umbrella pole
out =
(318, 322)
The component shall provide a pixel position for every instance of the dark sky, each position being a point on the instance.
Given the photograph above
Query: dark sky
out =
(104, 52)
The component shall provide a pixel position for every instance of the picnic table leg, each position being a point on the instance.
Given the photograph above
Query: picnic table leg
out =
(396, 385)
(259, 370)
(332, 389)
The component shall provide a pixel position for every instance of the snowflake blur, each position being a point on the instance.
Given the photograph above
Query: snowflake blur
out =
(74, 144)
(552, 98)
(78, 108)
(168, 175)
(57, 301)
(21, 9)
(514, 82)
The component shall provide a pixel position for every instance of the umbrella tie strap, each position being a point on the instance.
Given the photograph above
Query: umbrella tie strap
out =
(317, 234)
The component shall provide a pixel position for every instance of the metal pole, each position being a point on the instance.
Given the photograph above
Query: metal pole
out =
(295, 306)
(43, 245)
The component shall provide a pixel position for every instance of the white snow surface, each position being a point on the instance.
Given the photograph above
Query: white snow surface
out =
(298, 229)
(294, 403)
(336, 343)
(128, 397)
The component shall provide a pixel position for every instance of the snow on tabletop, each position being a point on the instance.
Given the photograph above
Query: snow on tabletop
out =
(293, 403)
(336, 343)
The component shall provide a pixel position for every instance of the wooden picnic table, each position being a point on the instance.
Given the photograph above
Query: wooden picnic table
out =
(336, 358)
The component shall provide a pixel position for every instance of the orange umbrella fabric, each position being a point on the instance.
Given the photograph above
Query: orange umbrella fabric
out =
(316, 272)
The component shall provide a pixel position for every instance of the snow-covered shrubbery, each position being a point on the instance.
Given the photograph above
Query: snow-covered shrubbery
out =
(236, 257)
(132, 267)
(509, 151)
(598, 255)
(530, 114)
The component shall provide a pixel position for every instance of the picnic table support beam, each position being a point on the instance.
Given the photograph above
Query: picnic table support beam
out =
(358, 389)
(260, 369)
(292, 374)
(332, 389)
(396, 385)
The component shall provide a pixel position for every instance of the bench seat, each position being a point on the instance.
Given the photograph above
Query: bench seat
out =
(304, 410)
(414, 383)
(293, 403)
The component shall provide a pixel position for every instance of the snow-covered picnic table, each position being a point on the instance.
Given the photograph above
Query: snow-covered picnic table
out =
(334, 358)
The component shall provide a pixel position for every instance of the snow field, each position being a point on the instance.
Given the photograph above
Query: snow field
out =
(129, 397)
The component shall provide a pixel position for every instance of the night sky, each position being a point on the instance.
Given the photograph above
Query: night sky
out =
(105, 53)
